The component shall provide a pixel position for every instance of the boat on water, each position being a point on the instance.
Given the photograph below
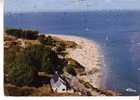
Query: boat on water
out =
(130, 90)
(107, 37)
(139, 69)
(87, 29)
(138, 43)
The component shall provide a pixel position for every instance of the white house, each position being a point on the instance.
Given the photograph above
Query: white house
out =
(58, 84)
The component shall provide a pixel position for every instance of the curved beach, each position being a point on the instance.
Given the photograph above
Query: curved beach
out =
(88, 55)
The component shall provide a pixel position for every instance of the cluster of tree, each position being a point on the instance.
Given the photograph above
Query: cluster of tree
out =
(22, 66)
(47, 40)
(58, 46)
(73, 67)
(25, 34)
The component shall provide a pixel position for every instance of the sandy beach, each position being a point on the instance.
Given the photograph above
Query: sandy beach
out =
(88, 55)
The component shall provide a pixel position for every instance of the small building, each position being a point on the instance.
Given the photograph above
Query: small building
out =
(58, 84)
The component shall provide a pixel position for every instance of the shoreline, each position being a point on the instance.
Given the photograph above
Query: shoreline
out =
(88, 55)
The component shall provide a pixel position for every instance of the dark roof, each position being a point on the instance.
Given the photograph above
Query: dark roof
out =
(62, 80)
(55, 77)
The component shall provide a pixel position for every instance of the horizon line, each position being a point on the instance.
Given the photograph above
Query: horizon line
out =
(98, 10)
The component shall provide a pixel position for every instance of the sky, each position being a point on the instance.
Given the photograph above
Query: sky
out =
(19, 6)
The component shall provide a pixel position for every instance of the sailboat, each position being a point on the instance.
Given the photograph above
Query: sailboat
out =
(139, 69)
(107, 38)
(87, 29)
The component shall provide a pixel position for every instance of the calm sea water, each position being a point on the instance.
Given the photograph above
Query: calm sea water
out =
(117, 32)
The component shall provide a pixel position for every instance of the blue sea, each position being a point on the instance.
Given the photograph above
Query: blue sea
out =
(117, 33)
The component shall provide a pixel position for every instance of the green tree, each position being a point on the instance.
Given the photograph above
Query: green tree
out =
(50, 61)
(26, 34)
(70, 69)
(34, 55)
(9, 57)
(42, 58)
(41, 39)
(21, 74)
(14, 32)
(22, 66)
(47, 40)
(50, 41)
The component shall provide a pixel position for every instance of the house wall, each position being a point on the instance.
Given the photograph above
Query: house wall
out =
(61, 88)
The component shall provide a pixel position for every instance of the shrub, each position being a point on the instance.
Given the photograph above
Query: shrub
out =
(70, 44)
(9, 57)
(60, 46)
(70, 69)
(50, 41)
(41, 39)
(23, 65)
(30, 60)
(26, 34)
(50, 61)
(42, 58)
(47, 40)
(34, 55)
(79, 69)
(21, 74)
(14, 32)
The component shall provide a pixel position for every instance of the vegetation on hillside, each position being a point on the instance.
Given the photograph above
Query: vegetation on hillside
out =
(25, 34)
(47, 40)
(23, 65)
(73, 67)
(57, 44)
(27, 70)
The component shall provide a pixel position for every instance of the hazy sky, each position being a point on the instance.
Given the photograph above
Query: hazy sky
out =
(69, 5)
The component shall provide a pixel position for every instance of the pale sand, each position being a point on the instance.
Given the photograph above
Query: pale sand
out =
(87, 55)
